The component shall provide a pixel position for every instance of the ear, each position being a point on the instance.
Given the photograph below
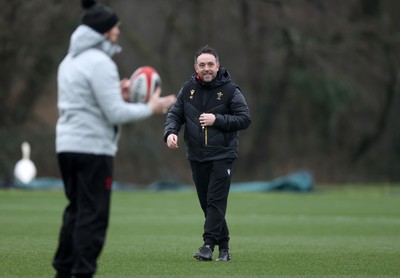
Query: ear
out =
(107, 35)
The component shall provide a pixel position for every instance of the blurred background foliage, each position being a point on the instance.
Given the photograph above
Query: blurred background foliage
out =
(320, 77)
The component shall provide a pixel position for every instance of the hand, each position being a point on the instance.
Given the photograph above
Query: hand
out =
(172, 141)
(207, 119)
(160, 105)
(125, 84)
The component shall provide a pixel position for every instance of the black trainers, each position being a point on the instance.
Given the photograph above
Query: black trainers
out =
(204, 254)
(224, 255)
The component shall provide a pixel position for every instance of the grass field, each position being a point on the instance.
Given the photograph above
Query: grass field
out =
(332, 232)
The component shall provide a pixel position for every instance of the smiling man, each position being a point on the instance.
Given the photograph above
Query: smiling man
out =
(213, 110)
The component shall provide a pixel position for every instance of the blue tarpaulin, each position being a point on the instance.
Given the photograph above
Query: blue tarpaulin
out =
(298, 181)
(301, 181)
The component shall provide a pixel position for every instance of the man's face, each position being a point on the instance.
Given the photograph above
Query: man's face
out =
(206, 67)
(113, 34)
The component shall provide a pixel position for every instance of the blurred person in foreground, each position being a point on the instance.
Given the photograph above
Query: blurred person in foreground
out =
(213, 110)
(91, 104)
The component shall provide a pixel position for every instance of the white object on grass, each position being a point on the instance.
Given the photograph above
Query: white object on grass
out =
(25, 170)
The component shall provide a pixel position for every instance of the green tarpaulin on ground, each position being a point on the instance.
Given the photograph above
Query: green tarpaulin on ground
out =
(301, 181)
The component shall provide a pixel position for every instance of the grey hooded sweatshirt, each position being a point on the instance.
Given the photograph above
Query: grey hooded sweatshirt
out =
(90, 104)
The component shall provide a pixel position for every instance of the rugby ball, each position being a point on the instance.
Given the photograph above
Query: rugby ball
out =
(144, 81)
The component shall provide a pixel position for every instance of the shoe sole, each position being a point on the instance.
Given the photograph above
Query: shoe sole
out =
(217, 260)
(201, 259)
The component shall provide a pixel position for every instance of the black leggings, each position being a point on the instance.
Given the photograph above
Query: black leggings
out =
(213, 180)
(87, 182)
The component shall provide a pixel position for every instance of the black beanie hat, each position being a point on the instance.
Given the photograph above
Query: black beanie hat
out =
(98, 16)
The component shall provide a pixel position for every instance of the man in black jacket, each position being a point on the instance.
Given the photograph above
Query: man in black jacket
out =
(213, 110)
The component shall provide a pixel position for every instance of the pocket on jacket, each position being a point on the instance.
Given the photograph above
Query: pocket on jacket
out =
(217, 138)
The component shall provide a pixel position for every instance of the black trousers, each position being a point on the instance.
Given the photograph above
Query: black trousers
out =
(87, 182)
(213, 180)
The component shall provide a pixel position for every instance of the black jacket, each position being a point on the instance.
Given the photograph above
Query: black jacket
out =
(220, 97)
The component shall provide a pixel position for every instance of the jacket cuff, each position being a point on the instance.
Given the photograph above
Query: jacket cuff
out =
(167, 134)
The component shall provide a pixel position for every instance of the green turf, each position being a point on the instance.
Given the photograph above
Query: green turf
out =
(352, 232)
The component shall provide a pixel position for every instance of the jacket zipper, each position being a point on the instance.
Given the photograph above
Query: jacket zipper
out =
(204, 128)
(205, 136)
(205, 132)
